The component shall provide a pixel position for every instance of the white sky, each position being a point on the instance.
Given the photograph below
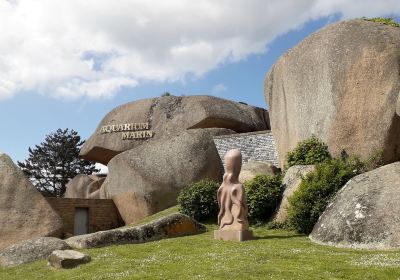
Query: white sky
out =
(93, 48)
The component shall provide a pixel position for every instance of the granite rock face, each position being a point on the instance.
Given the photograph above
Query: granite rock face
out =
(30, 251)
(167, 117)
(84, 186)
(154, 173)
(340, 84)
(364, 213)
(67, 259)
(290, 183)
(24, 212)
(173, 225)
(251, 169)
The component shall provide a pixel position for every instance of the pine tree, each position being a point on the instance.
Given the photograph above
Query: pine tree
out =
(55, 161)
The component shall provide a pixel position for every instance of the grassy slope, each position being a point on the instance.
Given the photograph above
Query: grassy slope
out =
(273, 255)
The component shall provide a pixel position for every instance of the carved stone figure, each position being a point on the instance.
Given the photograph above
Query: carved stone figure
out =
(232, 217)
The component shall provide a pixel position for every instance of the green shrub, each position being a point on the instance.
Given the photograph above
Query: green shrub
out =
(166, 94)
(387, 21)
(199, 200)
(309, 151)
(263, 196)
(318, 188)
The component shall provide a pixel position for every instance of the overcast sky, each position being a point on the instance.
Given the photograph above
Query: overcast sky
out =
(67, 63)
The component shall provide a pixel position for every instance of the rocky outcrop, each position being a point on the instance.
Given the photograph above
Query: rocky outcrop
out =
(290, 183)
(173, 225)
(24, 212)
(155, 173)
(30, 251)
(364, 213)
(251, 169)
(167, 117)
(340, 84)
(84, 186)
(67, 259)
(398, 105)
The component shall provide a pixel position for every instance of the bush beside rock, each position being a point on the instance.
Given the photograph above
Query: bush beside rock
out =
(263, 195)
(317, 189)
(199, 200)
(290, 184)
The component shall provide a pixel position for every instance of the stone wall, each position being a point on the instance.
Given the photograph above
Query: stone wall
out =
(103, 214)
(257, 146)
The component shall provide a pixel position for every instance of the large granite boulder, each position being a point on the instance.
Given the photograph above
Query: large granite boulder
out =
(340, 84)
(84, 186)
(251, 169)
(30, 250)
(364, 213)
(165, 117)
(173, 225)
(152, 175)
(24, 212)
(290, 183)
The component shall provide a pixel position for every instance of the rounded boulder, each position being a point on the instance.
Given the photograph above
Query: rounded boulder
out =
(340, 84)
(364, 213)
(147, 179)
(163, 118)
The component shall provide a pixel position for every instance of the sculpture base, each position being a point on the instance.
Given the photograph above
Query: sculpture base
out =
(233, 235)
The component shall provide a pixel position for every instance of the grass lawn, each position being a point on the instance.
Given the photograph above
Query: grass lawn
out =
(275, 254)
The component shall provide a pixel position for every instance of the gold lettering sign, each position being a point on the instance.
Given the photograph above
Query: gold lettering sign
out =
(129, 130)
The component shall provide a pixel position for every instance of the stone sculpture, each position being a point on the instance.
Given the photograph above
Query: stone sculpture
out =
(232, 217)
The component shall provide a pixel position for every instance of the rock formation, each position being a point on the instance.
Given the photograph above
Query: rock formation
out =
(30, 250)
(253, 168)
(152, 175)
(24, 212)
(67, 259)
(173, 225)
(84, 186)
(168, 116)
(364, 213)
(340, 84)
(232, 216)
(290, 183)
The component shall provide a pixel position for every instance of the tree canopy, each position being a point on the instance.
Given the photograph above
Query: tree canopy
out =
(55, 161)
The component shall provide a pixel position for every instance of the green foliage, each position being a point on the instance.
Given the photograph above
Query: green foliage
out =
(309, 151)
(199, 200)
(263, 196)
(55, 161)
(319, 187)
(166, 94)
(387, 21)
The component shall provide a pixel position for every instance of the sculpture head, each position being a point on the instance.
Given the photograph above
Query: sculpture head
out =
(233, 163)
